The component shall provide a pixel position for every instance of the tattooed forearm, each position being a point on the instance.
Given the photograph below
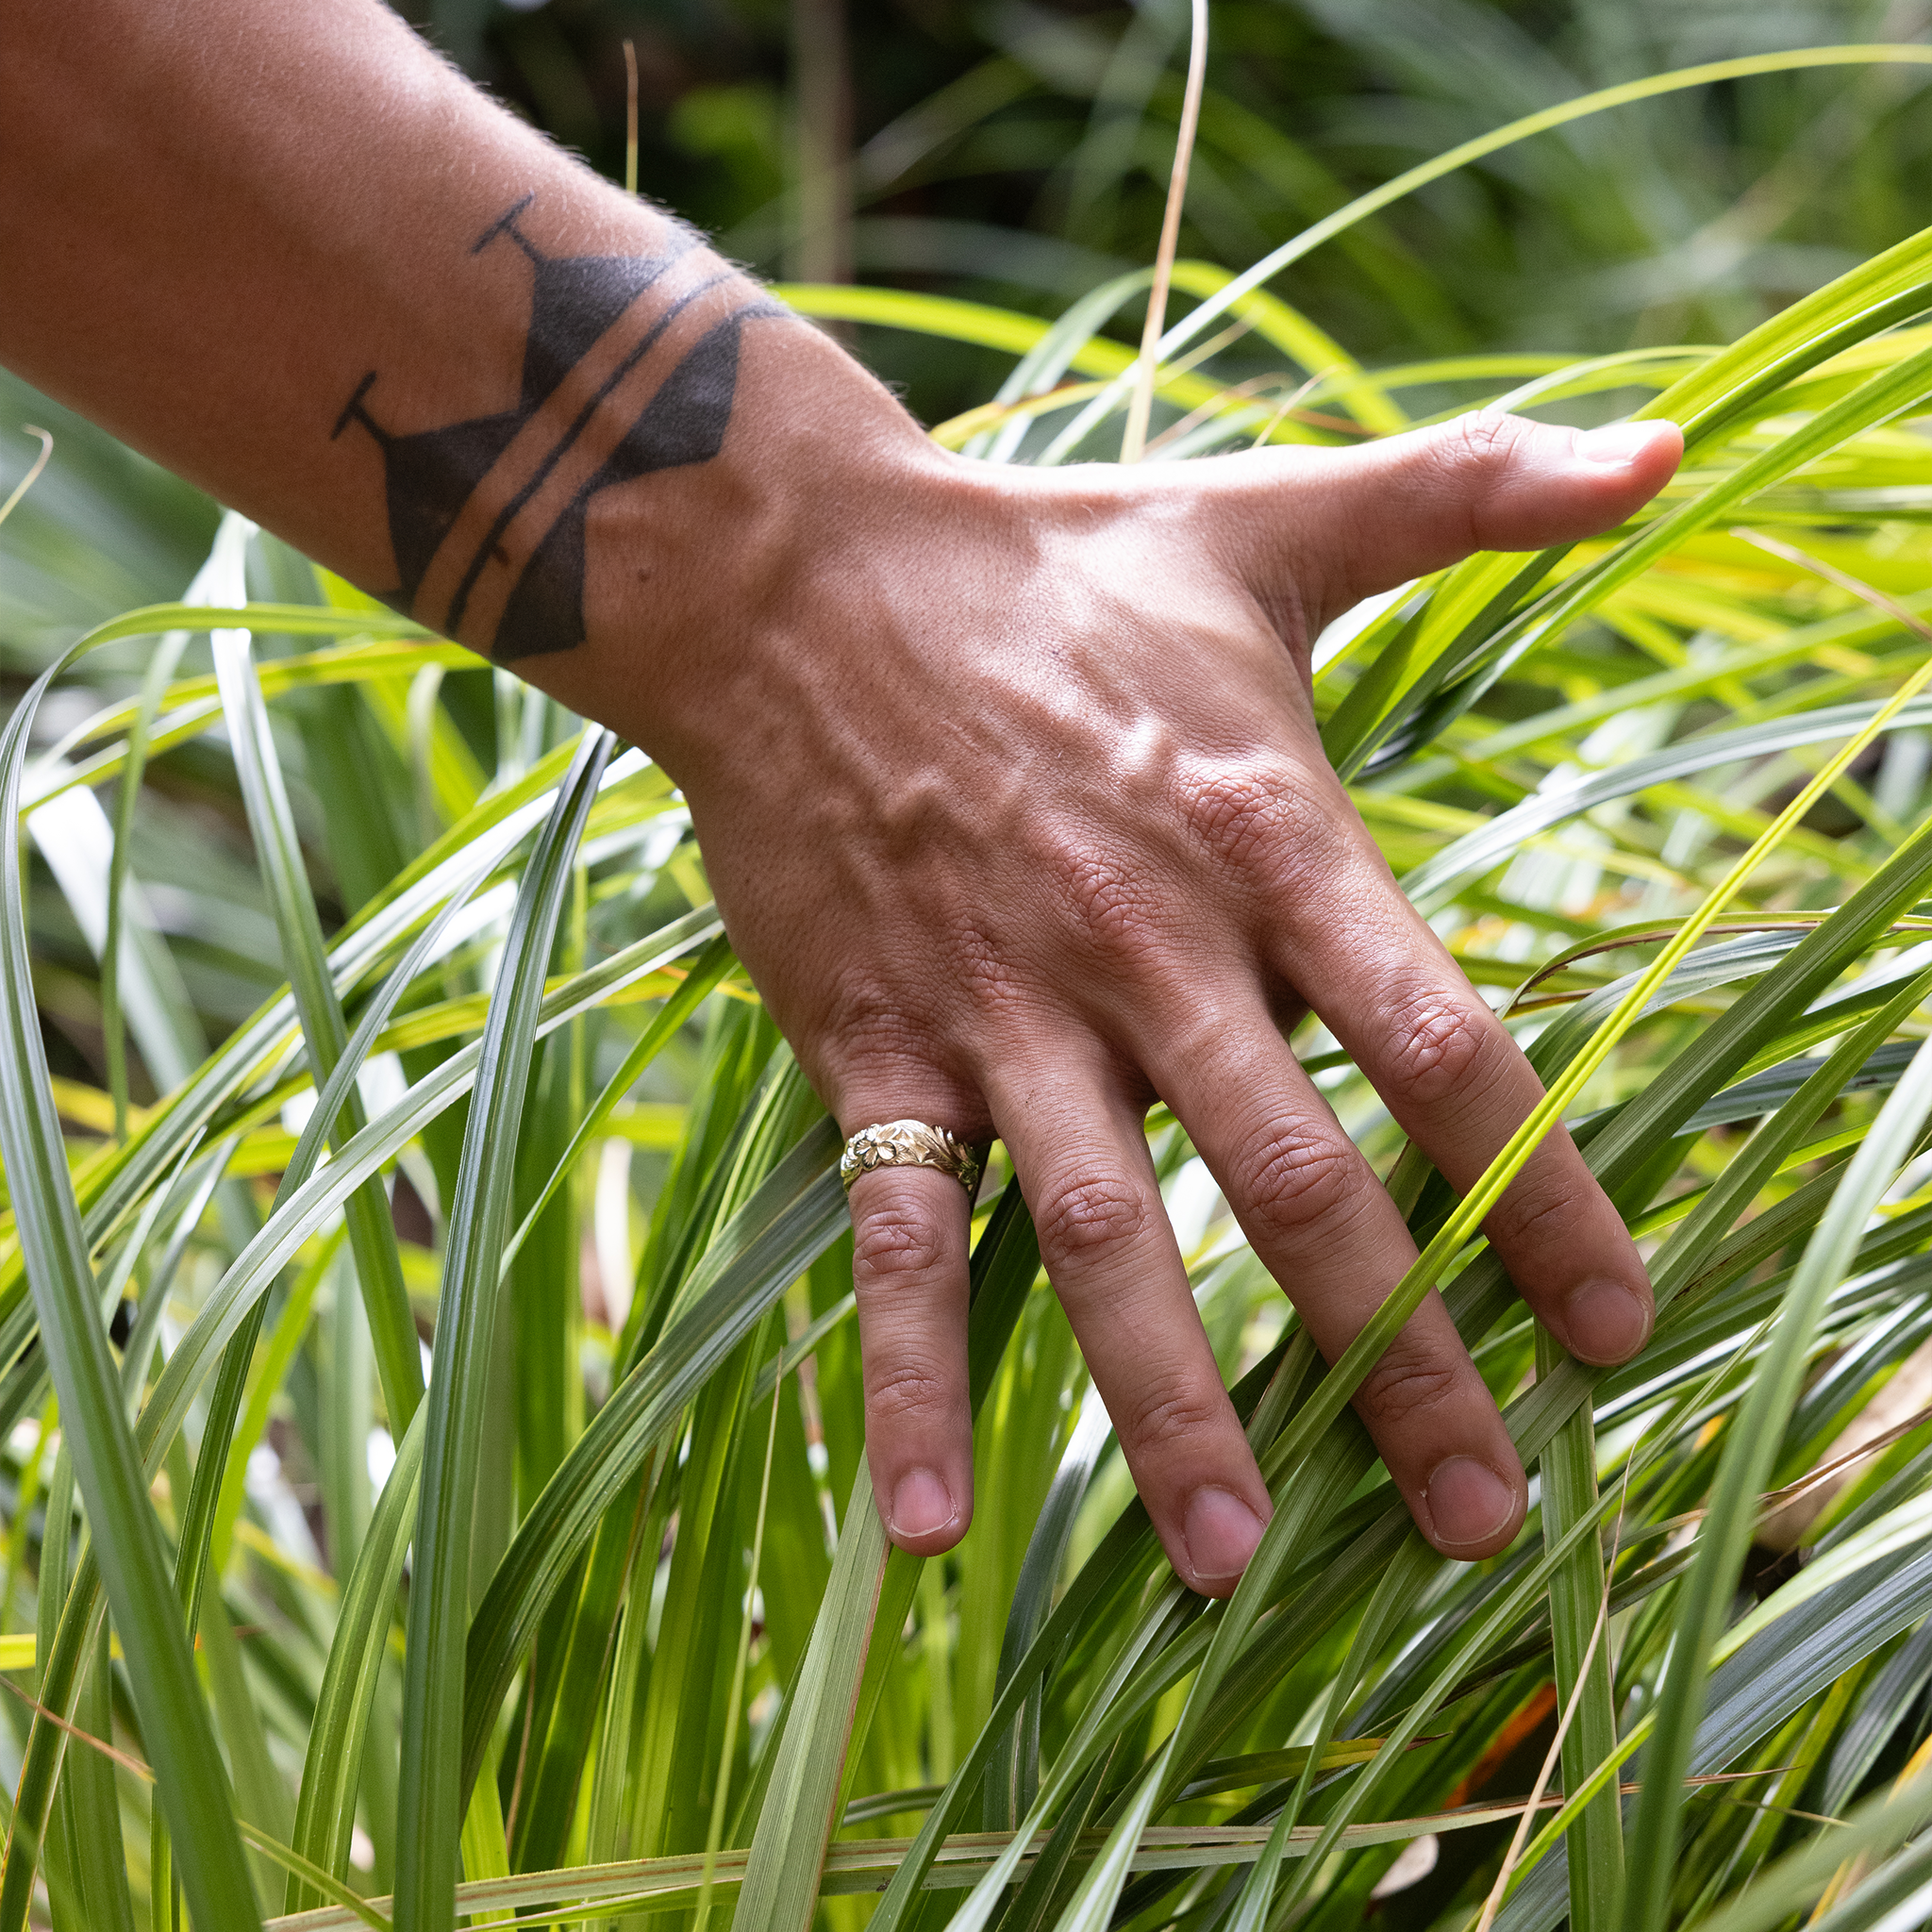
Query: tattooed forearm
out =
(487, 517)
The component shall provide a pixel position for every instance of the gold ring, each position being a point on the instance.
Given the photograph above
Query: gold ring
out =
(910, 1143)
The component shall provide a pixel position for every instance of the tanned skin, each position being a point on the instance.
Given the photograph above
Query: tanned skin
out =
(1007, 780)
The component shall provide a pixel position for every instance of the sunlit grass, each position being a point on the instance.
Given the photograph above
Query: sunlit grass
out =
(588, 1606)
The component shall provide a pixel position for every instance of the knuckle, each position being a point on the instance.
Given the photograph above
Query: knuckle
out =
(1478, 454)
(893, 1244)
(907, 1387)
(1089, 1216)
(1486, 439)
(1165, 1417)
(1295, 1176)
(1241, 814)
(874, 1021)
(1112, 911)
(986, 972)
(1441, 1046)
(1533, 1217)
(1402, 1385)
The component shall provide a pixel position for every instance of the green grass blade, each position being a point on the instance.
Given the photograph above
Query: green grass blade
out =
(837, 1692)
(1578, 1589)
(285, 875)
(793, 1217)
(1448, 162)
(432, 1804)
(781, 1879)
(194, 1783)
(1706, 1595)
(1878, 1827)
(325, 1806)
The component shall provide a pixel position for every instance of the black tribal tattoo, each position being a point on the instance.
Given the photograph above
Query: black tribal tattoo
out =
(487, 517)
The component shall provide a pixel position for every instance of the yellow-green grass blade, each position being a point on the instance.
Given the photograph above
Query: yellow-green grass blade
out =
(1226, 298)
(117, 1176)
(1879, 1827)
(1433, 882)
(216, 1327)
(1865, 300)
(1239, 1773)
(857, 1866)
(1227, 1642)
(127, 1538)
(793, 1216)
(1528, 126)
(291, 1223)
(1853, 630)
(1704, 1599)
(1326, 1401)
(325, 1033)
(1877, 400)
(199, 699)
(432, 1804)
(976, 323)
(460, 857)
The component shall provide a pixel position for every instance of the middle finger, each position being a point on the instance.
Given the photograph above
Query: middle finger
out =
(1109, 1252)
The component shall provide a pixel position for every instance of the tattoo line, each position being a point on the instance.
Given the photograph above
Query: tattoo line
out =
(439, 483)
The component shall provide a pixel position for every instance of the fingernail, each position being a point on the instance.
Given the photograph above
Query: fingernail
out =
(921, 1504)
(1221, 1532)
(1620, 442)
(1468, 1501)
(1606, 1322)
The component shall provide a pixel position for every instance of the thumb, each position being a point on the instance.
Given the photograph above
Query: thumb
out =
(1345, 523)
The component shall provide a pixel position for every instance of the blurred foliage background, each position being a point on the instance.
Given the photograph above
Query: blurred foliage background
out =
(1016, 151)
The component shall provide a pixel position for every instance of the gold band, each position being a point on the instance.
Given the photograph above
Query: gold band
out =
(910, 1143)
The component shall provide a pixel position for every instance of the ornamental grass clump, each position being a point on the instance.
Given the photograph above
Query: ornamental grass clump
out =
(450, 1051)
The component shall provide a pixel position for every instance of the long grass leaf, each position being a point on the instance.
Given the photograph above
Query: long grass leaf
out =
(194, 1783)
(432, 1780)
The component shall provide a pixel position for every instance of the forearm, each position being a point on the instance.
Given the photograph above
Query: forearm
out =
(292, 256)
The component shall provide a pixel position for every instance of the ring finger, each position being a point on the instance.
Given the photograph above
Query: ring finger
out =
(910, 1231)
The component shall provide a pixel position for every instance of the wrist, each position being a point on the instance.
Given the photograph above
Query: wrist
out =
(702, 580)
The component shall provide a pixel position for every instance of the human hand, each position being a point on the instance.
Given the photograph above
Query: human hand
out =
(1008, 779)
(1017, 812)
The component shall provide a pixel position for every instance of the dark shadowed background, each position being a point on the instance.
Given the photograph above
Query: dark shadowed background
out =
(1016, 152)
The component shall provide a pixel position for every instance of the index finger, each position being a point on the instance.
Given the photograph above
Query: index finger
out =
(1456, 1081)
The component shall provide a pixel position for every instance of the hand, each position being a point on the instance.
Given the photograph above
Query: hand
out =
(1017, 813)
(1008, 779)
